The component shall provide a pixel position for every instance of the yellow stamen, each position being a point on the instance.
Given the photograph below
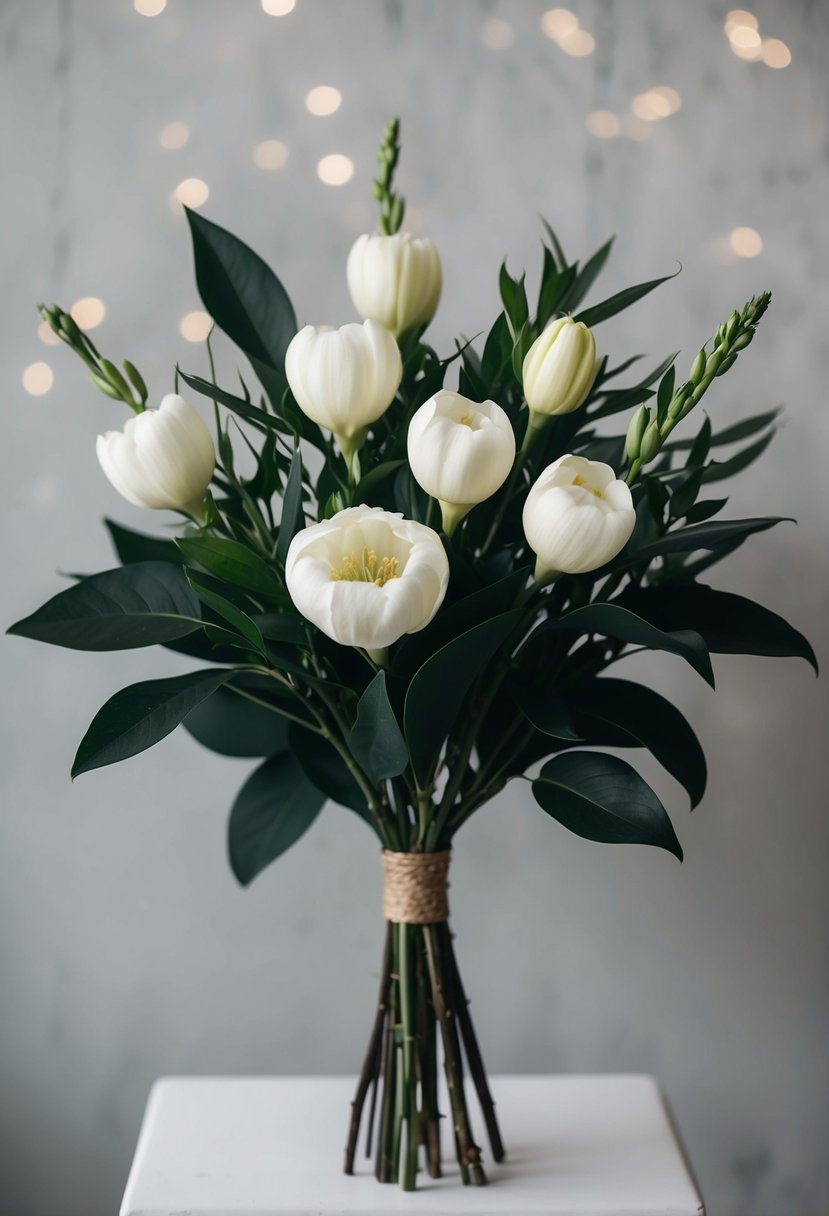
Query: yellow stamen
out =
(578, 480)
(466, 419)
(366, 568)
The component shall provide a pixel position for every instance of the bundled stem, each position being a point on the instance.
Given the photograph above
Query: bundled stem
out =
(422, 1010)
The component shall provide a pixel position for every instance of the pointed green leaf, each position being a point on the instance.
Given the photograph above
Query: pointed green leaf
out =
(234, 563)
(230, 724)
(547, 710)
(260, 419)
(276, 805)
(325, 768)
(141, 715)
(711, 536)
(619, 713)
(376, 741)
(614, 621)
(131, 547)
(602, 798)
(730, 624)
(236, 617)
(142, 604)
(622, 300)
(292, 517)
(438, 689)
(242, 294)
(719, 470)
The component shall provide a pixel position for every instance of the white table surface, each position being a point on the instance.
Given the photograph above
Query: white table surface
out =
(268, 1146)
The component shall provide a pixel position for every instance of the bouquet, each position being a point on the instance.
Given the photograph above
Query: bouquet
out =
(413, 594)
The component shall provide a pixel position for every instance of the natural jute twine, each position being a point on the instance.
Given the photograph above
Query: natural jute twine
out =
(415, 887)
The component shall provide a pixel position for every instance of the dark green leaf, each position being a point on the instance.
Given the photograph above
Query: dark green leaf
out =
(618, 713)
(234, 563)
(602, 798)
(232, 725)
(438, 689)
(274, 807)
(376, 742)
(236, 617)
(514, 298)
(547, 710)
(706, 509)
(281, 627)
(665, 393)
(137, 605)
(699, 536)
(260, 419)
(718, 470)
(141, 715)
(613, 621)
(587, 276)
(325, 768)
(622, 300)
(731, 434)
(554, 241)
(242, 294)
(131, 547)
(730, 624)
(292, 518)
(701, 445)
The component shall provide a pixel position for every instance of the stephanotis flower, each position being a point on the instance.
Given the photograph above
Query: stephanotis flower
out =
(577, 517)
(367, 576)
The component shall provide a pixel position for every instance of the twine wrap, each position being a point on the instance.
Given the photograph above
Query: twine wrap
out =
(415, 887)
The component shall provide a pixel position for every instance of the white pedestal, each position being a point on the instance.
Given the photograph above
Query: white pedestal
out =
(262, 1146)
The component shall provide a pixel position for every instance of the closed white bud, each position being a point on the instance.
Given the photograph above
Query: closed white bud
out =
(395, 280)
(163, 459)
(559, 369)
(577, 517)
(460, 452)
(366, 576)
(344, 379)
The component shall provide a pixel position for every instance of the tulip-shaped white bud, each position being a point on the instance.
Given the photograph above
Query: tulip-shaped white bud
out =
(460, 452)
(344, 379)
(163, 459)
(577, 517)
(366, 576)
(395, 279)
(558, 372)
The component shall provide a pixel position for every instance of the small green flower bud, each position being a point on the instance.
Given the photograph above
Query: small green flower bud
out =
(698, 368)
(114, 377)
(726, 363)
(136, 379)
(636, 429)
(106, 388)
(651, 443)
(742, 340)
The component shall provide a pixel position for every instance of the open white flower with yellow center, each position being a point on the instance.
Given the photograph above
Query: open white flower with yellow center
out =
(163, 459)
(577, 516)
(395, 279)
(460, 452)
(367, 576)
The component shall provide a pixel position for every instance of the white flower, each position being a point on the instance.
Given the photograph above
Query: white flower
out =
(395, 279)
(163, 459)
(558, 370)
(344, 379)
(460, 452)
(366, 576)
(577, 517)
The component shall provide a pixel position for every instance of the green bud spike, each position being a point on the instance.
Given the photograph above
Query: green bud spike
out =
(651, 443)
(105, 386)
(636, 429)
(392, 206)
(136, 379)
(698, 367)
(111, 374)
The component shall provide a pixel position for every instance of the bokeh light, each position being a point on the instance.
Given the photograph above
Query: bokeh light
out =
(745, 242)
(149, 8)
(278, 8)
(497, 34)
(559, 23)
(47, 335)
(323, 100)
(775, 53)
(88, 312)
(335, 169)
(195, 326)
(37, 379)
(175, 135)
(578, 43)
(270, 154)
(192, 192)
(603, 124)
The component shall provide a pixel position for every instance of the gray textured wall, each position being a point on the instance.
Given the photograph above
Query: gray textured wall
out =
(126, 950)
